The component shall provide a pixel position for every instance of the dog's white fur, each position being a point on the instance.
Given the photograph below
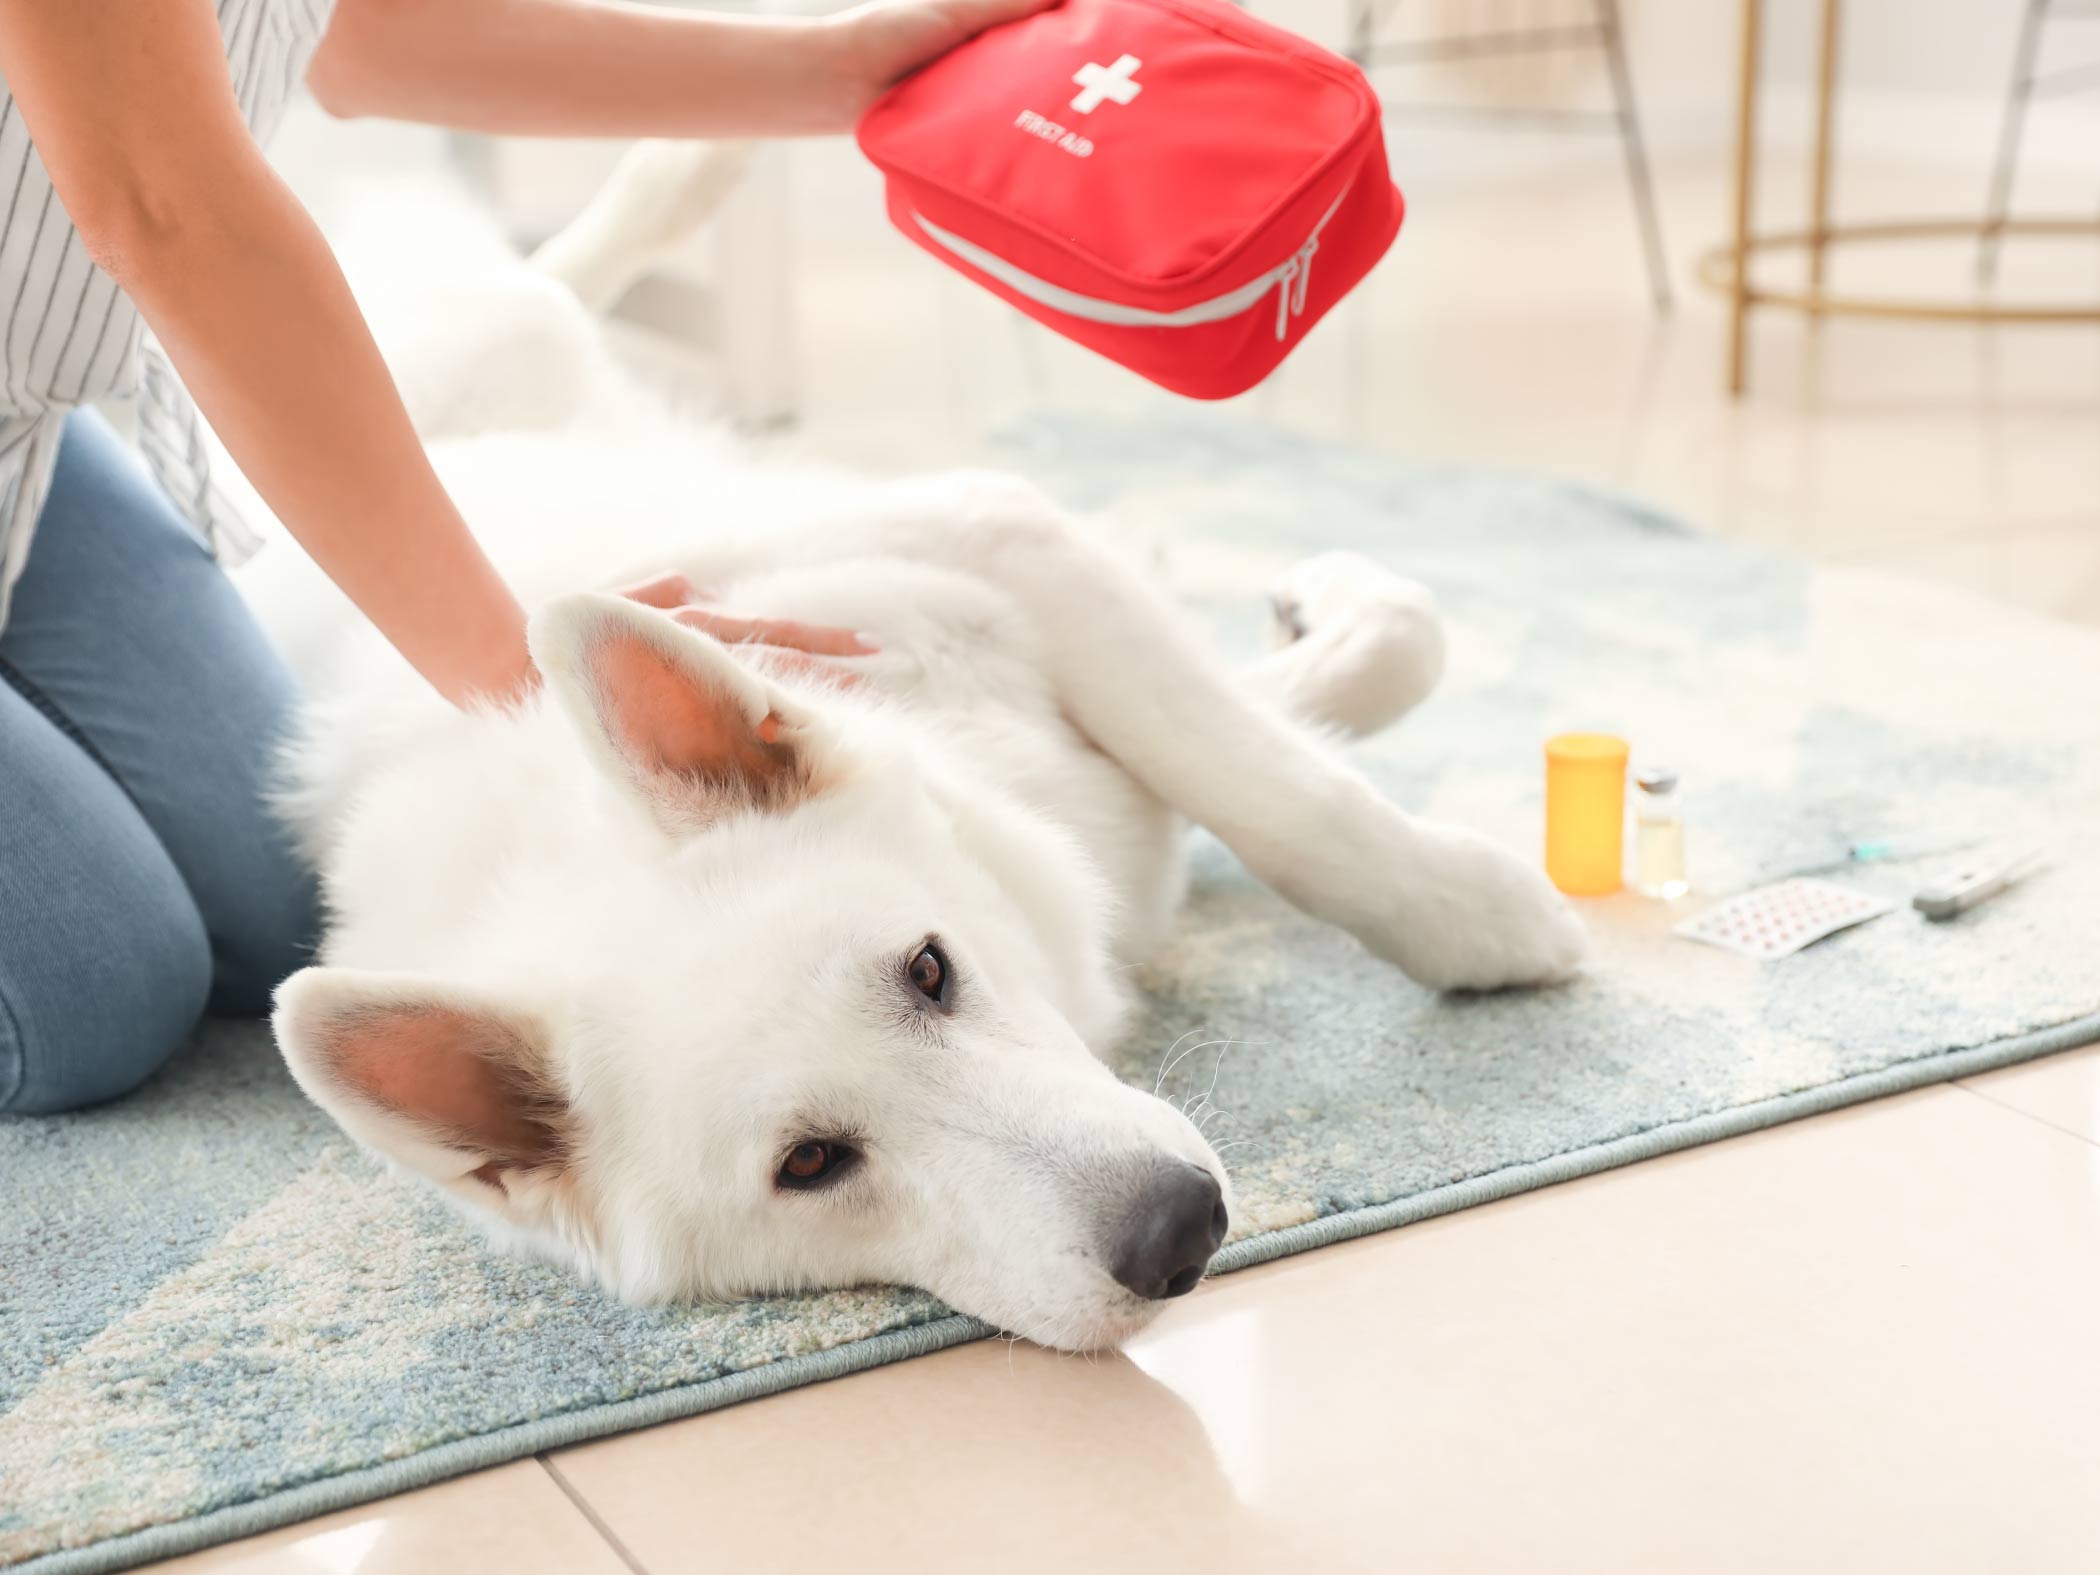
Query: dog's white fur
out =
(596, 963)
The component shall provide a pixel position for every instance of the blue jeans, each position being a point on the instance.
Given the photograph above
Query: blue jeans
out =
(142, 880)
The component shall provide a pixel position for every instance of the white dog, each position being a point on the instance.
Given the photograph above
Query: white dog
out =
(707, 973)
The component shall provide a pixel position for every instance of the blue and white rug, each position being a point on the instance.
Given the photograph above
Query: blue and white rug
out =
(216, 1317)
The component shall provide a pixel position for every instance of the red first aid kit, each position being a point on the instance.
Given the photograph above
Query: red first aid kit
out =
(1169, 182)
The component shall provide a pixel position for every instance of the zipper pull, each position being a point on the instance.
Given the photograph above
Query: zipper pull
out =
(1291, 283)
(1305, 257)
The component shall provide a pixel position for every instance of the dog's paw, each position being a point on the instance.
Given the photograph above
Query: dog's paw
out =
(1369, 642)
(1467, 914)
(1336, 587)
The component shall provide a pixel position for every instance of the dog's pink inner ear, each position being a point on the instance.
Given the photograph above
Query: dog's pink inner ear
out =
(668, 723)
(468, 1080)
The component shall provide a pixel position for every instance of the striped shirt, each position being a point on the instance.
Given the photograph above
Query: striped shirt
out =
(69, 336)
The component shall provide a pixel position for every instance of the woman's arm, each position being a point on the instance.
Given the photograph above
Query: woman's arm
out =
(133, 113)
(602, 68)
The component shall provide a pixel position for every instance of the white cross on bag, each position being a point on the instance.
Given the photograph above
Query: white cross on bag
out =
(1100, 82)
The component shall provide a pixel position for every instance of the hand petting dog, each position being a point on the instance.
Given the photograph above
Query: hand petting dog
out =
(809, 647)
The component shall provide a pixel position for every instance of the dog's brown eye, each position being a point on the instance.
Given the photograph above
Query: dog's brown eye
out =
(929, 973)
(809, 1164)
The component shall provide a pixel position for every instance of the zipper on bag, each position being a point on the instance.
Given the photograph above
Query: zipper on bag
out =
(1290, 279)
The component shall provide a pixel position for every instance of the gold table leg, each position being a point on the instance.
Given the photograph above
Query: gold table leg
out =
(1745, 167)
(1726, 269)
(1826, 103)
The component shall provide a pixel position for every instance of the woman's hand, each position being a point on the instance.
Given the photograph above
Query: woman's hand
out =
(806, 646)
(888, 39)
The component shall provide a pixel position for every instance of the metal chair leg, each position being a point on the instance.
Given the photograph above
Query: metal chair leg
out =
(2010, 131)
(1364, 19)
(1636, 150)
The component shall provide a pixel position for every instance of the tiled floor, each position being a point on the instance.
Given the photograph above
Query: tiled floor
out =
(1862, 1342)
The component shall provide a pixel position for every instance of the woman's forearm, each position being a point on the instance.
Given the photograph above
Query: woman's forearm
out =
(133, 112)
(245, 295)
(603, 68)
(585, 68)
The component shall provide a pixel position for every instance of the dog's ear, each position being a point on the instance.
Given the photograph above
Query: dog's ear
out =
(446, 1083)
(671, 715)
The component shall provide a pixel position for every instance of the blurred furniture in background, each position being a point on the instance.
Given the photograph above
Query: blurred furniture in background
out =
(2027, 82)
(752, 307)
(727, 298)
(1596, 28)
(1728, 268)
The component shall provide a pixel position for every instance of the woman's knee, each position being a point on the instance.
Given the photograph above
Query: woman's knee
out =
(159, 667)
(104, 962)
(87, 1026)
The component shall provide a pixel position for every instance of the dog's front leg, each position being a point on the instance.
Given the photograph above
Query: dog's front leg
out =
(1450, 907)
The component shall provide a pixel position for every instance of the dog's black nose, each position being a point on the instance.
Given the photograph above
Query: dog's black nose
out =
(1176, 1220)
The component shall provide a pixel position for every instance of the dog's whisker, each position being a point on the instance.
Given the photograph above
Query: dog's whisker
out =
(1167, 1065)
(1198, 1107)
(1183, 1056)
(1225, 1045)
(1218, 1066)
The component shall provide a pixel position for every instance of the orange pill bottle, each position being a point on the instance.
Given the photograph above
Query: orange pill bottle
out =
(1586, 813)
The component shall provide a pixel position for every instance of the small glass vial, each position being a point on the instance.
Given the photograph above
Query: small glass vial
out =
(1658, 836)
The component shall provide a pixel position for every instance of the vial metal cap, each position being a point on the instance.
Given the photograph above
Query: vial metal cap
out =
(1656, 779)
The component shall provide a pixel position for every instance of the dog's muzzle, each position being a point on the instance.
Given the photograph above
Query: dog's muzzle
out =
(1176, 1220)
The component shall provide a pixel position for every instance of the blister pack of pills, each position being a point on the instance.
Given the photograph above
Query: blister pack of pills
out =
(1776, 921)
